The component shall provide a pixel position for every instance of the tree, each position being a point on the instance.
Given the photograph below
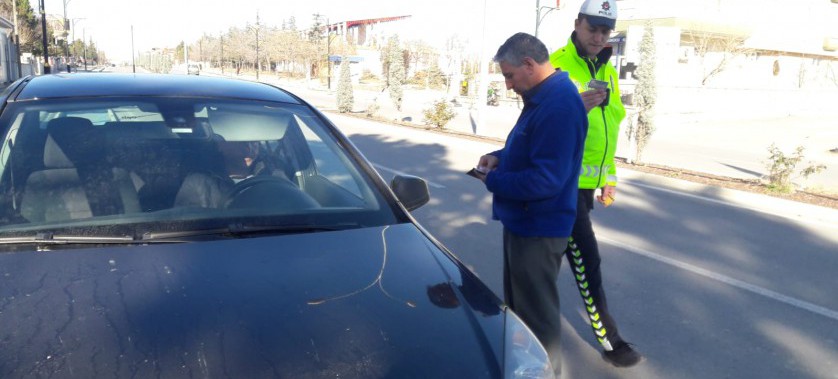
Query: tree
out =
(395, 71)
(419, 55)
(645, 94)
(345, 97)
(29, 30)
(717, 51)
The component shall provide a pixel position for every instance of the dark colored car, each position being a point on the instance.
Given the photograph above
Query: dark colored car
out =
(182, 226)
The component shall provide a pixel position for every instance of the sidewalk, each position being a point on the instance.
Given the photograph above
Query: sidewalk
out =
(716, 145)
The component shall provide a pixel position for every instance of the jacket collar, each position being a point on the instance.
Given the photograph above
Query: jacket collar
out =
(534, 94)
(601, 58)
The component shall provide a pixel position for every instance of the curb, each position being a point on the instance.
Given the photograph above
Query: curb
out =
(752, 201)
(774, 206)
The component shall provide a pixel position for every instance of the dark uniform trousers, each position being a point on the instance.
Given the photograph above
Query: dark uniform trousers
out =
(583, 256)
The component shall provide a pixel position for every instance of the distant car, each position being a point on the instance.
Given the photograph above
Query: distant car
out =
(193, 69)
(175, 226)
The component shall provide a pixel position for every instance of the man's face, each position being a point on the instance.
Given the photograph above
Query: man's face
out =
(591, 38)
(517, 78)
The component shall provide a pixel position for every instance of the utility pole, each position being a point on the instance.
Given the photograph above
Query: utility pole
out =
(317, 17)
(133, 66)
(258, 63)
(84, 48)
(328, 55)
(74, 53)
(17, 43)
(221, 41)
(66, 34)
(483, 84)
(44, 36)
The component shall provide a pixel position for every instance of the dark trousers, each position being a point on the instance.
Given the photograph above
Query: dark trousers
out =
(531, 267)
(583, 255)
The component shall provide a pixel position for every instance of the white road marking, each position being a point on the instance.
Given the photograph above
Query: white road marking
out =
(397, 172)
(727, 280)
(819, 223)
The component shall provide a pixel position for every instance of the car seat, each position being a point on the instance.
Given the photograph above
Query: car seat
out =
(77, 181)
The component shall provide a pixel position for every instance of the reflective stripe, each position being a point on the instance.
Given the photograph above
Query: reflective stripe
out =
(581, 281)
(592, 171)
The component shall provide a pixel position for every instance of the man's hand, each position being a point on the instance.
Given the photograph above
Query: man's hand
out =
(607, 195)
(592, 98)
(488, 162)
(484, 165)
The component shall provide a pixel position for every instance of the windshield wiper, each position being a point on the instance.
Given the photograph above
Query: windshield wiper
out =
(232, 230)
(243, 230)
(57, 239)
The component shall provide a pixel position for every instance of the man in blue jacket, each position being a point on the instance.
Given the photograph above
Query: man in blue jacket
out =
(534, 181)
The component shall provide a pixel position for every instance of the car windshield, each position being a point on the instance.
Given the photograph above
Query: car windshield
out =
(154, 165)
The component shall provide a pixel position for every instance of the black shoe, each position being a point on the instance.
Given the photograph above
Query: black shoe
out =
(623, 355)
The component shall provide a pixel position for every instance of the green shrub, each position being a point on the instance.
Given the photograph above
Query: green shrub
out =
(439, 114)
(781, 168)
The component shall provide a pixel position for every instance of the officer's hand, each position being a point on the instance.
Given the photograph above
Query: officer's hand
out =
(607, 195)
(592, 98)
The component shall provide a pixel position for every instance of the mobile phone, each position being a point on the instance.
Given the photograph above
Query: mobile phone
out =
(476, 172)
(599, 84)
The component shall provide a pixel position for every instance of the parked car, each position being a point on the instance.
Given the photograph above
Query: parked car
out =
(193, 69)
(178, 226)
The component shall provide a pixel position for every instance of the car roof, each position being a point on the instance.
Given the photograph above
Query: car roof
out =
(164, 85)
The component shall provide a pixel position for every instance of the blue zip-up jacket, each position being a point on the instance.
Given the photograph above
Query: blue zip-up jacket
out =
(535, 185)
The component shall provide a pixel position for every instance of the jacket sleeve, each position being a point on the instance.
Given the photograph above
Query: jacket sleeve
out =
(619, 113)
(553, 141)
(611, 180)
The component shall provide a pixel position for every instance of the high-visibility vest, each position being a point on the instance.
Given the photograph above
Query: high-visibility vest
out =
(598, 168)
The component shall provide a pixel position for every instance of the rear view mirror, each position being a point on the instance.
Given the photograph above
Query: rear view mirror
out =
(411, 191)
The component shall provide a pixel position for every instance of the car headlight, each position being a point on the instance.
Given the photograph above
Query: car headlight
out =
(524, 357)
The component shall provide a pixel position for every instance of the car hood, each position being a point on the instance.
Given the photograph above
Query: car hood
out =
(372, 302)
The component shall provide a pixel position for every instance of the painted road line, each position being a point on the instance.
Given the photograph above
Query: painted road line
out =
(797, 303)
(796, 218)
(397, 172)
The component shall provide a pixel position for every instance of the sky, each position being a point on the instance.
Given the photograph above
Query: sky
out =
(164, 23)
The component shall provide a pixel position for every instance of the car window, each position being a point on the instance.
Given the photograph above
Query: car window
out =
(156, 163)
(328, 161)
(102, 114)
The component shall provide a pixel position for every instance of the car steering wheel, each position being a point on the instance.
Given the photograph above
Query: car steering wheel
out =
(269, 192)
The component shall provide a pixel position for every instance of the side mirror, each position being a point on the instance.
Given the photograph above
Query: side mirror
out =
(412, 191)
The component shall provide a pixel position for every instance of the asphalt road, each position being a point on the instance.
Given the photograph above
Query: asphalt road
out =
(708, 283)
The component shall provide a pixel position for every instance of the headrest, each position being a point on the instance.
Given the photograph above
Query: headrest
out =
(73, 142)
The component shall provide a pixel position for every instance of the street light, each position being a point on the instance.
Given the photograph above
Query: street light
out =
(539, 17)
(73, 28)
(318, 16)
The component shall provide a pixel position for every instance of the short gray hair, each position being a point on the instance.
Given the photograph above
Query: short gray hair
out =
(520, 46)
